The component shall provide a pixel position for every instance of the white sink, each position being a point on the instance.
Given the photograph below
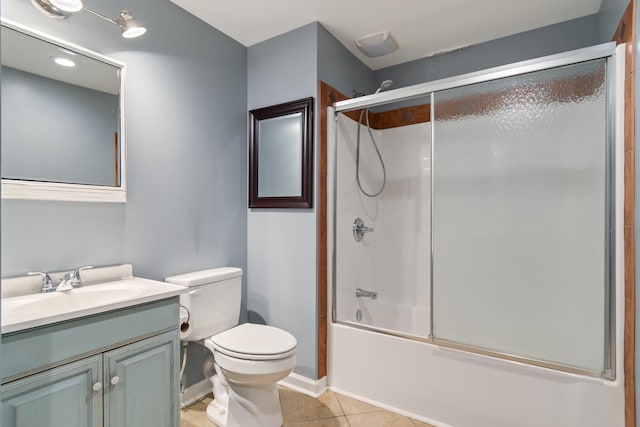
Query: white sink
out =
(33, 310)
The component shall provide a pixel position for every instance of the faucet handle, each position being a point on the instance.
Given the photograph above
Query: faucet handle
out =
(47, 284)
(73, 277)
(76, 272)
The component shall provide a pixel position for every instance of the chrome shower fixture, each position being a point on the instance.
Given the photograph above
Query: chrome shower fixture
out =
(386, 84)
(62, 9)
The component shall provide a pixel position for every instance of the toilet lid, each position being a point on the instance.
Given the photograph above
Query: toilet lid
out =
(251, 341)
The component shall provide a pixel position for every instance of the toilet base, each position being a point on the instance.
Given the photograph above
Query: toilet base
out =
(217, 410)
(246, 407)
(217, 413)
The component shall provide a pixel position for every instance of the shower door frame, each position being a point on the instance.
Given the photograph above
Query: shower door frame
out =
(614, 79)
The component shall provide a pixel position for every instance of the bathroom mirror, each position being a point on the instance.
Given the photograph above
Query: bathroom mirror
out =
(281, 155)
(62, 119)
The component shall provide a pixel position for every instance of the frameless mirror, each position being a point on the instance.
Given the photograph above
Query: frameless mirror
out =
(62, 119)
(281, 155)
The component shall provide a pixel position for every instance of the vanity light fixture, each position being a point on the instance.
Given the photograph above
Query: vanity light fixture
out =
(62, 9)
(128, 24)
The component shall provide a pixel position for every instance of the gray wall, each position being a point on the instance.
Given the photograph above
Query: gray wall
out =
(282, 258)
(74, 139)
(338, 67)
(282, 243)
(608, 18)
(186, 129)
(543, 41)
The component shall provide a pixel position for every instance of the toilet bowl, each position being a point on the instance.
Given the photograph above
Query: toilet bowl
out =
(249, 359)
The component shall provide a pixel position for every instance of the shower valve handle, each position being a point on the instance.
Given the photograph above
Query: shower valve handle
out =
(359, 229)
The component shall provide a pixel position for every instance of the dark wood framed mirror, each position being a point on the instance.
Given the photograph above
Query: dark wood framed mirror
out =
(281, 155)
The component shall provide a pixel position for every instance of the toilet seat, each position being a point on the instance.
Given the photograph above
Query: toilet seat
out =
(254, 342)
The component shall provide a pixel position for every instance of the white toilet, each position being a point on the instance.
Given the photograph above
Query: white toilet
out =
(249, 359)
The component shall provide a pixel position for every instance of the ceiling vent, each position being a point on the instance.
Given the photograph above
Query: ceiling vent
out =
(377, 44)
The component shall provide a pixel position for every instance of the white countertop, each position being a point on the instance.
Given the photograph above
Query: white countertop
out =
(29, 311)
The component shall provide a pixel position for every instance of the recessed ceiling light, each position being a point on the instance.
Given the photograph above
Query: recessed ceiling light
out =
(65, 62)
(70, 6)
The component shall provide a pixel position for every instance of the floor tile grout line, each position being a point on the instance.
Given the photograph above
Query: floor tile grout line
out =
(335, 396)
(347, 420)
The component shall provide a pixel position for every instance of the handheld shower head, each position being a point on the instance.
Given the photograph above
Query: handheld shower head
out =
(386, 84)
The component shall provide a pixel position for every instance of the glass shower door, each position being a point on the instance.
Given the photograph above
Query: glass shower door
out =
(382, 279)
(521, 227)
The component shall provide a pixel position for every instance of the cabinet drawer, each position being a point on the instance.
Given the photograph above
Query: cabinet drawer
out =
(27, 352)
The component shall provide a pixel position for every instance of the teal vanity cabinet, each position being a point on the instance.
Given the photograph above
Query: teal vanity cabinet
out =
(115, 369)
(63, 396)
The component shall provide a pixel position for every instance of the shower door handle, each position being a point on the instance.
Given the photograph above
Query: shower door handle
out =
(362, 293)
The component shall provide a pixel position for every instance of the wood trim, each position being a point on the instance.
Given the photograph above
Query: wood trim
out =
(327, 96)
(625, 33)
(402, 117)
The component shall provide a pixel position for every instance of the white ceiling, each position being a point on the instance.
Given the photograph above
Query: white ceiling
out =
(422, 27)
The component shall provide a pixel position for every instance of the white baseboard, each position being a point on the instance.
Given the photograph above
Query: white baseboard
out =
(304, 385)
(195, 392)
(299, 383)
(390, 408)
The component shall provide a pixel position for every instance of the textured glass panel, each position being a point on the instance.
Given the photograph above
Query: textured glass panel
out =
(519, 215)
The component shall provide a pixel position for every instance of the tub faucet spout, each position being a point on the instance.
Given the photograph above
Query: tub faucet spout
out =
(361, 293)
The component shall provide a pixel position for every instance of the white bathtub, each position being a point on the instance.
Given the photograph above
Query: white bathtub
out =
(387, 316)
(446, 387)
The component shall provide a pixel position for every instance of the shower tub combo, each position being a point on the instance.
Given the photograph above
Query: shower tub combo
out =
(476, 246)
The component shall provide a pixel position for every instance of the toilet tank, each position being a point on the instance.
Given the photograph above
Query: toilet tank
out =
(212, 304)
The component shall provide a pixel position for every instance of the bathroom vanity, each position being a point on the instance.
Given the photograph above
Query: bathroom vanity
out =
(105, 367)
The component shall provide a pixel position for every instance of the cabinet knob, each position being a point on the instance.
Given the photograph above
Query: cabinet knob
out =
(115, 380)
(97, 386)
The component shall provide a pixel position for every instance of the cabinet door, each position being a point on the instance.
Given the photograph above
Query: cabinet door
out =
(141, 383)
(61, 397)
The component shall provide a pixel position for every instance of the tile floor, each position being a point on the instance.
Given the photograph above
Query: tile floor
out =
(329, 410)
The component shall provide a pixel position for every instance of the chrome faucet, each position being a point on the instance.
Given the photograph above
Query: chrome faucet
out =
(361, 293)
(47, 284)
(72, 279)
